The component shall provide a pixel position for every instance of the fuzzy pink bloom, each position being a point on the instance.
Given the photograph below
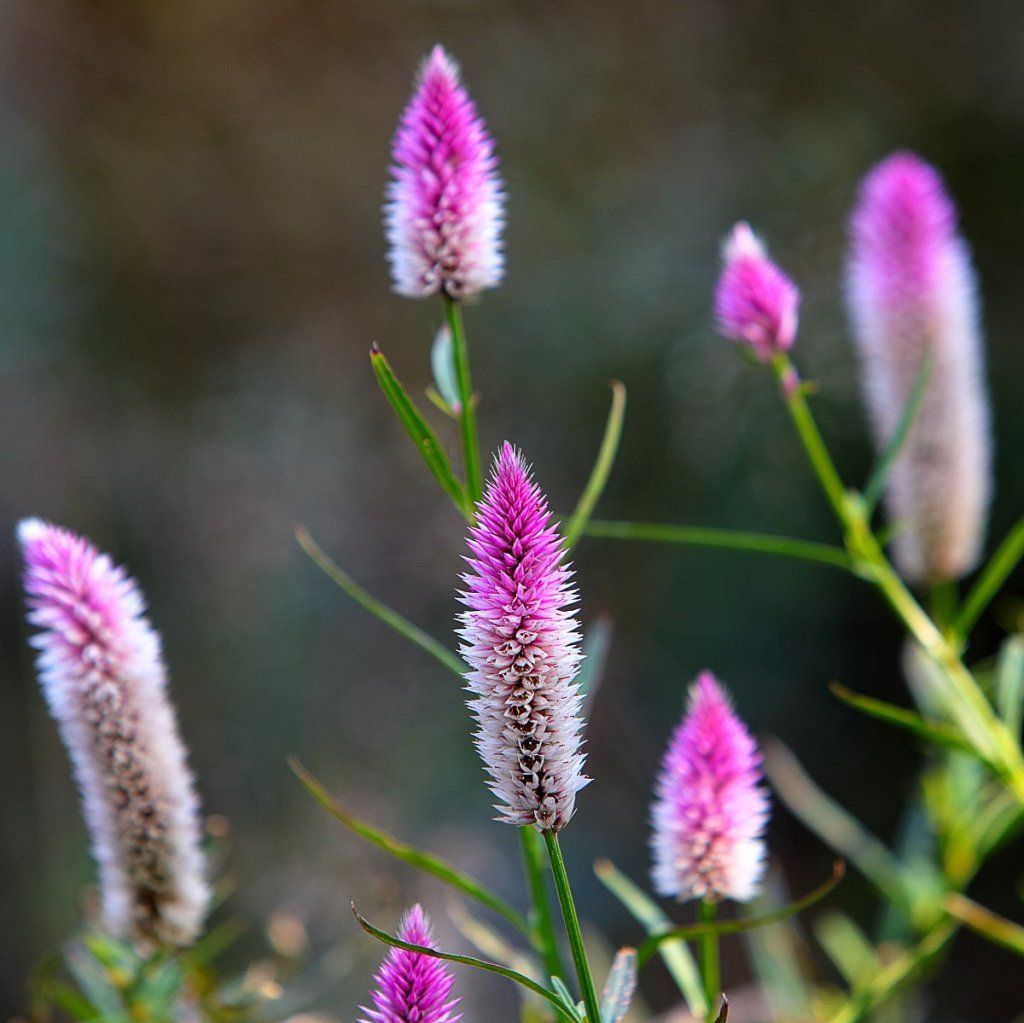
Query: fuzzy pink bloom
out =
(912, 292)
(710, 811)
(103, 676)
(412, 987)
(521, 639)
(445, 212)
(755, 302)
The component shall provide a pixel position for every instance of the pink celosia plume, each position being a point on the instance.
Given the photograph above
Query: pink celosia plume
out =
(755, 302)
(710, 810)
(412, 987)
(912, 293)
(445, 212)
(521, 639)
(103, 676)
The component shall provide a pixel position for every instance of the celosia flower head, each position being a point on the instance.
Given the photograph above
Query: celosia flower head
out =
(912, 293)
(521, 640)
(444, 213)
(412, 987)
(710, 810)
(755, 302)
(103, 676)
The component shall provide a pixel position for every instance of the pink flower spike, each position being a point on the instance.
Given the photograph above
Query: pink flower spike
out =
(413, 987)
(755, 302)
(521, 639)
(103, 676)
(710, 811)
(445, 208)
(912, 293)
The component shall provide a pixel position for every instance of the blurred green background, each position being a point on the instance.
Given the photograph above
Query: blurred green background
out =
(191, 274)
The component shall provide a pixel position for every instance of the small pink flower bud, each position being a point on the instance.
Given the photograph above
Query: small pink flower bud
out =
(445, 208)
(912, 293)
(755, 302)
(710, 811)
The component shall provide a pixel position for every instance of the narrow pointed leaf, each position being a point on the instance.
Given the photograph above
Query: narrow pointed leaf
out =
(602, 467)
(935, 732)
(875, 486)
(723, 1012)
(479, 964)
(995, 928)
(378, 608)
(487, 941)
(620, 986)
(995, 573)
(845, 944)
(419, 431)
(675, 954)
(418, 858)
(692, 931)
(726, 539)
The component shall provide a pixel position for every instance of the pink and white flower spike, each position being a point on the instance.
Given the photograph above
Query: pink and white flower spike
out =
(912, 293)
(103, 676)
(710, 810)
(445, 210)
(521, 639)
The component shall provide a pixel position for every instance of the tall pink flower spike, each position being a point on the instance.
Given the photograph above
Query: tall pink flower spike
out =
(521, 639)
(103, 676)
(445, 209)
(412, 987)
(755, 302)
(912, 292)
(710, 810)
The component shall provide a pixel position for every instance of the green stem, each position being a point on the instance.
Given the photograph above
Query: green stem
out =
(572, 928)
(541, 921)
(467, 413)
(731, 539)
(709, 970)
(972, 710)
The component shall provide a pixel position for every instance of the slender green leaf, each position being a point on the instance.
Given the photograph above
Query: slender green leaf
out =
(988, 584)
(480, 964)
(723, 1012)
(602, 467)
(834, 825)
(487, 941)
(442, 364)
(542, 921)
(418, 858)
(935, 732)
(378, 608)
(728, 539)
(1010, 684)
(562, 992)
(692, 931)
(847, 946)
(676, 954)
(619, 987)
(875, 485)
(995, 928)
(419, 431)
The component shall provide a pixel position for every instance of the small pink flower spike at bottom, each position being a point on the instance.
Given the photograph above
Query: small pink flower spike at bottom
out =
(412, 987)
(710, 811)
(755, 302)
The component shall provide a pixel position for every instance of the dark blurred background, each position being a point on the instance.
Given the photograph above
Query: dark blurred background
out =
(191, 273)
